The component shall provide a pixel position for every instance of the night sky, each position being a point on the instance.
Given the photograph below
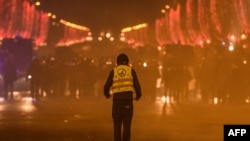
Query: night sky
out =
(105, 15)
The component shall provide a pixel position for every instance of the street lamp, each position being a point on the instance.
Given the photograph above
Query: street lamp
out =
(108, 35)
(38, 3)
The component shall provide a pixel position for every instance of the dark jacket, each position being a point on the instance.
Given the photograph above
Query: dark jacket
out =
(128, 95)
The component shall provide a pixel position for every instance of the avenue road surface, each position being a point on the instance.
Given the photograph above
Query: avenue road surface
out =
(63, 119)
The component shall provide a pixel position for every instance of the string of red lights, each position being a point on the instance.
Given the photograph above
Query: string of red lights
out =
(20, 18)
(136, 35)
(73, 34)
(190, 22)
(198, 22)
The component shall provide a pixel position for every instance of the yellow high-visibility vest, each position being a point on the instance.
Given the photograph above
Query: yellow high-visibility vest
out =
(123, 79)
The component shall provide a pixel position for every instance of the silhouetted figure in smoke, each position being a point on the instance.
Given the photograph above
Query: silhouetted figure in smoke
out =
(149, 74)
(74, 78)
(122, 80)
(88, 78)
(184, 76)
(33, 74)
(9, 77)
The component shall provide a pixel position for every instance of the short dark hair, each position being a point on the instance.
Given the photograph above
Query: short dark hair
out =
(122, 59)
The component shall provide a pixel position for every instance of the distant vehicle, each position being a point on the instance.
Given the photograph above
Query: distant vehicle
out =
(18, 49)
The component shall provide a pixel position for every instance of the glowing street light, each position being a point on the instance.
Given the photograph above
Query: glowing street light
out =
(49, 14)
(38, 3)
(243, 36)
(112, 38)
(231, 48)
(233, 38)
(108, 35)
(99, 38)
(163, 11)
(53, 16)
(122, 39)
(167, 7)
(245, 62)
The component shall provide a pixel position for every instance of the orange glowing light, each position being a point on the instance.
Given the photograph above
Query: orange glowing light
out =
(163, 11)
(38, 3)
(167, 7)
(72, 25)
(139, 26)
(243, 36)
(231, 48)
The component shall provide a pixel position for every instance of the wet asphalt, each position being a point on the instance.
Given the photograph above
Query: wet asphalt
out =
(89, 119)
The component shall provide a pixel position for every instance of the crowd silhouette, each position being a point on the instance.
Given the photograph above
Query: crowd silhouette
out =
(185, 73)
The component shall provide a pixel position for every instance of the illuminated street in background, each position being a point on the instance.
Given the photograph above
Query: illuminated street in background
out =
(191, 56)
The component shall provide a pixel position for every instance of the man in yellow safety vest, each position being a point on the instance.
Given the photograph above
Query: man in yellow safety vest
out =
(121, 84)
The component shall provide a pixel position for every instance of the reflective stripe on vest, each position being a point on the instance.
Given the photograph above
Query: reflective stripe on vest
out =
(123, 80)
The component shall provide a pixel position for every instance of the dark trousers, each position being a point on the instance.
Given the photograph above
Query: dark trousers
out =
(122, 113)
(34, 89)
